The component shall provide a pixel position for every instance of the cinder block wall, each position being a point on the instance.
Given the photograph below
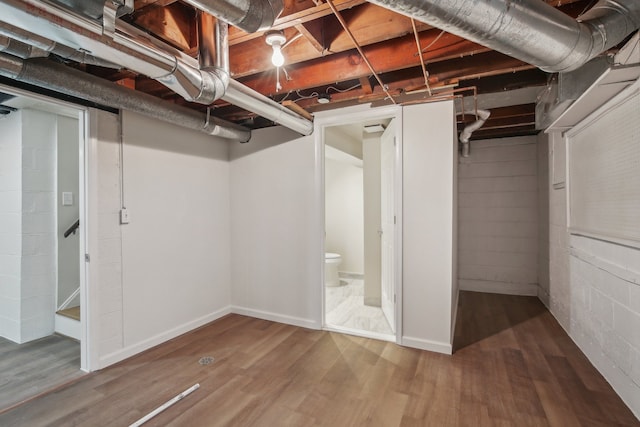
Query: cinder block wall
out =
(498, 217)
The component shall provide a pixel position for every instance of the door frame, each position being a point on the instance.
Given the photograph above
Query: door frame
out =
(83, 200)
(346, 116)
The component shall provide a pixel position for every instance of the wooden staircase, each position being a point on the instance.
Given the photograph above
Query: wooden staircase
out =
(68, 322)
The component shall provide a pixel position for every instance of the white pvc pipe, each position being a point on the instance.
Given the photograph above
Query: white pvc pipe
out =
(165, 406)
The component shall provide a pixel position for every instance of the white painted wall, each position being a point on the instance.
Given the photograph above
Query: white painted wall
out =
(344, 214)
(275, 246)
(498, 217)
(543, 218)
(176, 249)
(372, 220)
(594, 287)
(167, 271)
(10, 224)
(68, 181)
(105, 239)
(38, 277)
(429, 273)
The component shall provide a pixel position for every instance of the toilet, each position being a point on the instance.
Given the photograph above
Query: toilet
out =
(331, 263)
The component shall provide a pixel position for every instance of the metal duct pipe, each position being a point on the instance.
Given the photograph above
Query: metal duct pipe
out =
(19, 49)
(23, 44)
(248, 15)
(465, 135)
(132, 52)
(530, 30)
(50, 75)
(247, 98)
(213, 47)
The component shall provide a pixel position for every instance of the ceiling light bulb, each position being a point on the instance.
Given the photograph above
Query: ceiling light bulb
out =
(277, 58)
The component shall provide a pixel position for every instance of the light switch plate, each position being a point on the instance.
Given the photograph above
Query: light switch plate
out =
(124, 216)
(67, 198)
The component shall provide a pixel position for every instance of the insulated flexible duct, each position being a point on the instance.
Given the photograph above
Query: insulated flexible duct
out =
(47, 74)
(530, 30)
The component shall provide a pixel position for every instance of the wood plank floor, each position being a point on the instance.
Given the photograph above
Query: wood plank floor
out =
(514, 366)
(32, 368)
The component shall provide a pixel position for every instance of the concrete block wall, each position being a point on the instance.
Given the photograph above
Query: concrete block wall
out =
(10, 224)
(594, 287)
(498, 217)
(38, 266)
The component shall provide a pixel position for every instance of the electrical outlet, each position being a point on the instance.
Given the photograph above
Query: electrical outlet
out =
(124, 216)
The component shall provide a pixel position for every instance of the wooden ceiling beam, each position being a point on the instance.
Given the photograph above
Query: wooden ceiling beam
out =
(288, 20)
(173, 24)
(312, 32)
(369, 24)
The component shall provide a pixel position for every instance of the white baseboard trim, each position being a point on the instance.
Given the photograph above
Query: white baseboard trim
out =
(525, 289)
(275, 317)
(134, 349)
(422, 344)
(67, 327)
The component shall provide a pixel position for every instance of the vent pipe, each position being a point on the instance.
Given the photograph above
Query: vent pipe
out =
(465, 135)
(530, 30)
(50, 75)
(248, 15)
(23, 44)
(134, 50)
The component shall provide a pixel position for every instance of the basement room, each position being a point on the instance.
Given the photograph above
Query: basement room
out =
(319, 212)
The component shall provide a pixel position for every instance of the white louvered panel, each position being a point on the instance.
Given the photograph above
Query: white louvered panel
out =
(604, 159)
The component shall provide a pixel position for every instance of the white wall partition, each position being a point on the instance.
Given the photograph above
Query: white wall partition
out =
(176, 247)
(429, 226)
(167, 271)
(275, 249)
(344, 214)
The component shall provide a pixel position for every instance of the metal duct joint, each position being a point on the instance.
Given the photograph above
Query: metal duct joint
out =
(465, 135)
(50, 75)
(134, 50)
(248, 15)
(23, 44)
(530, 30)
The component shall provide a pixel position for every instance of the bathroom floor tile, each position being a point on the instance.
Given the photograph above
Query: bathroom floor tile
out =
(345, 307)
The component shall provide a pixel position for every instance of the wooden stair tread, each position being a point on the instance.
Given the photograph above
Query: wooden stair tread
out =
(72, 313)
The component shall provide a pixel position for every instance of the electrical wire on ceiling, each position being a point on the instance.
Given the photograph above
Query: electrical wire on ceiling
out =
(337, 14)
(343, 90)
(425, 73)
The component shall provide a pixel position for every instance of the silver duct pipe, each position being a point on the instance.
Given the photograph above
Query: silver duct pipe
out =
(30, 45)
(133, 49)
(248, 15)
(132, 52)
(247, 98)
(530, 30)
(465, 135)
(50, 75)
(19, 49)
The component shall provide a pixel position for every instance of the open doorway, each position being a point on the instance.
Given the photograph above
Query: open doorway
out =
(42, 235)
(361, 283)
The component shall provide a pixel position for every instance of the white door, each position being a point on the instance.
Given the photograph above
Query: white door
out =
(387, 211)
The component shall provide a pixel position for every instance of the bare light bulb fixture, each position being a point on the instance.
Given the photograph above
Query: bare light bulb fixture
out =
(276, 40)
